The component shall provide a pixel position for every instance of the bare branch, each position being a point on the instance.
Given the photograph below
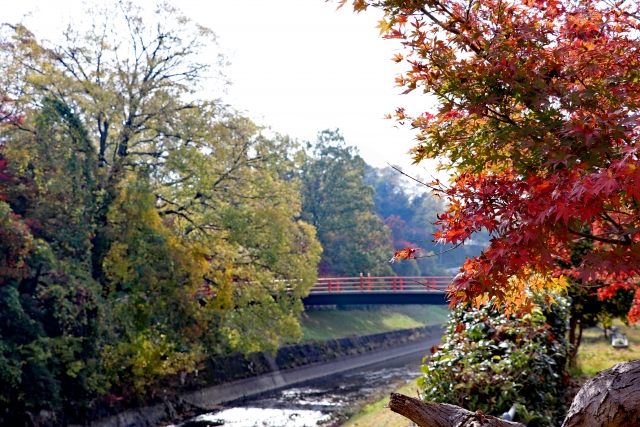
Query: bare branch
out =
(598, 238)
(415, 179)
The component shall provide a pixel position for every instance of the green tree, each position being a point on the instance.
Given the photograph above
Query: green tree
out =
(224, 189)
(338, 203)
(121, 194)
(234, 193)
(51, 307)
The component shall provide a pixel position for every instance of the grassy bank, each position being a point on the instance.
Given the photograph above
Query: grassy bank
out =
(596, 354)
(376, 415)
(324, 324)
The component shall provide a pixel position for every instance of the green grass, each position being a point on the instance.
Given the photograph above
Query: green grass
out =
(340, 323)
(596, 354)
(377, 415)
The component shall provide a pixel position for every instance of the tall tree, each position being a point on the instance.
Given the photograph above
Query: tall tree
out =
(227, 192)
(127, 72)
(338, 203)
(121, 193)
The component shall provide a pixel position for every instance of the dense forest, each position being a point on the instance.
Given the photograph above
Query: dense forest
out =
(122, 193)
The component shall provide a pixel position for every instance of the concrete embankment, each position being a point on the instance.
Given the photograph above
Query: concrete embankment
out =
(210, 397)
(225, 379)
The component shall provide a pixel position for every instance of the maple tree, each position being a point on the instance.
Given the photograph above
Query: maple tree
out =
(537, 118)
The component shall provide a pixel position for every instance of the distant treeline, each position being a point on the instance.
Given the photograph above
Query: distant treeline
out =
(363, 214)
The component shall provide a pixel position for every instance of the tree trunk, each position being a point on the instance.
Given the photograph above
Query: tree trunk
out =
(611, 399)
(575, 322)
(573, 352)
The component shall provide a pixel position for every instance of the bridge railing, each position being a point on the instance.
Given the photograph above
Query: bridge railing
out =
(382, 283)
(365, 284)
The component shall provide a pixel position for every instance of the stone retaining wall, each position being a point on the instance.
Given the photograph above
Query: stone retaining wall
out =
(235, 367)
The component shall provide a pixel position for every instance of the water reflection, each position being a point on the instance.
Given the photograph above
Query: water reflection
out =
(326, 401)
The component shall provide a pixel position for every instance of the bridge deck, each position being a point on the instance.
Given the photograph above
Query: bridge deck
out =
(376, 297)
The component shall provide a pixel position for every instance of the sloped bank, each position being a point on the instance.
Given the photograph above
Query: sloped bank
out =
(224, 379)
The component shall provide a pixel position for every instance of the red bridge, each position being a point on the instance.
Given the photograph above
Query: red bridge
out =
(379, 290)
(370, 290)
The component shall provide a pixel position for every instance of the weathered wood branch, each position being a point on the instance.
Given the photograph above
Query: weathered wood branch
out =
(428, 414)
(611, 399)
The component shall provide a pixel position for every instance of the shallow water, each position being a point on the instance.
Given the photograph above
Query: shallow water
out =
(324, 401)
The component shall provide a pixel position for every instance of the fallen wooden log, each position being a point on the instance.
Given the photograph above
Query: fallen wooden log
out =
(429, 414)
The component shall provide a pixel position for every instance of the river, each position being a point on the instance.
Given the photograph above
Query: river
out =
(325, 401)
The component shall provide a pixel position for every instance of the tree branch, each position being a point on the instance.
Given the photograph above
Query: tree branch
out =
(415, 179)
(451, 29)
(626, 237)
(608, 400)
(429, 414)
(599, 239)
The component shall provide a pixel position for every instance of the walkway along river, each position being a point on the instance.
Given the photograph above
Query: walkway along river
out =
(326, 400)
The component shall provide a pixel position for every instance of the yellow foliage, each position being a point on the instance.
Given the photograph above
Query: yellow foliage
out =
(145, 251)
(517, 297)
(137, 363)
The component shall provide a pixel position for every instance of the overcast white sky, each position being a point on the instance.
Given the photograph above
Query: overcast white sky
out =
(298, 66)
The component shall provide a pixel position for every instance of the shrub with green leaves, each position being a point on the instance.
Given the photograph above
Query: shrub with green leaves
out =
(489, 361)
